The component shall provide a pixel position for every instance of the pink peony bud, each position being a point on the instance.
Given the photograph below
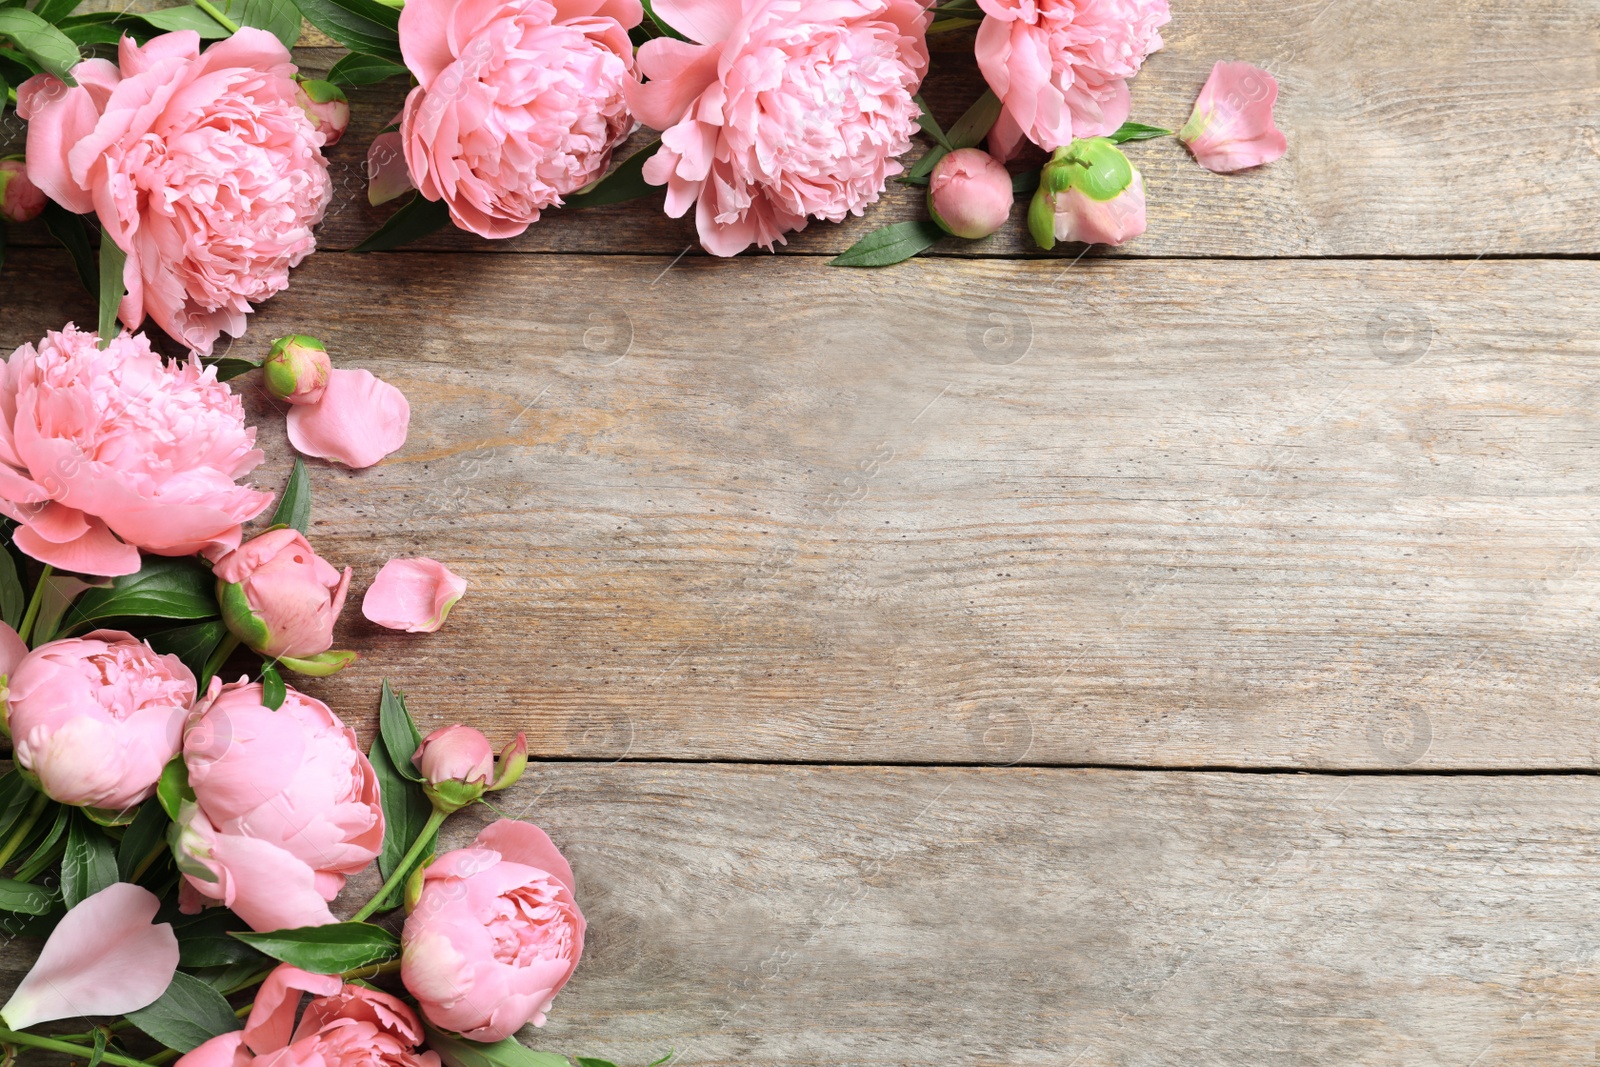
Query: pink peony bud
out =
(510, 887)
(104, 957)
(969, 193)
(285, 807)
(1088, 192)
(1080, 217)
(95, 719)
(414, 595)
(325, 105)
(457, 766)
(297, 369)
(20, 199)
(1232, 128)
(279, 597)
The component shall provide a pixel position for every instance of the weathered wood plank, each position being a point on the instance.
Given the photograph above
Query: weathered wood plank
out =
(789, 916)
(1464, 128)
(1334, 514)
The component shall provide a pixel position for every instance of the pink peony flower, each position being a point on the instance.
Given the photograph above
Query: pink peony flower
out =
(495, 934)
(20, 199)
(201, 166)
(387, 176)
(1061, 67)
(518, 102)
(414, 595)
(1232, 128)
(95, 719)
(103, 453)
(285, 807)
(104, 957)
(779, 110)
(970, 193)
(1080, 217)
(342, 1026)
(279, 597)
(359, 420)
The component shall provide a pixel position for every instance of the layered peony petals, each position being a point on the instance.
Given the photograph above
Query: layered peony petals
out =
(359, 420)
(279, 597)
(414, 595)
(103, 958)
(1080, 217)
(1231, 127)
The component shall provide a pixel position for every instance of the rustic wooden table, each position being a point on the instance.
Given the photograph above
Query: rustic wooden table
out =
(1182, 655)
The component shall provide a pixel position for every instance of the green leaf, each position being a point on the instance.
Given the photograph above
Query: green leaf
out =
(457, 1051)
(173, 788)
(187, 1015)
(360, 25)
(15, 797)
(73, 234)
(400, 734)
(1024, 183)
(230, 367)
(357, 69)
(974, 126)
(40, 42)
(146, 833)
(112, 260)
(273, 689)
(204, 940)
(405, 813)
(49, 849)
(918, 174)
(25, 898)
(326, 949)
(278, 17)
(890, 244)
(193, 643)
(655, 20)
(590, 1061)
(671, 1052)
(1138, 131)
(294, 506)
(53, 11)
(89, 863)
(164, 588)
(930, 125)
(418, 218)
(621, 185)
(187, 18)
(101, 1037)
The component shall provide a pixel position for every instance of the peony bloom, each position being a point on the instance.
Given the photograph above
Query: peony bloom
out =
(285, 807)
(327, 107)
(202, 167)
(297, 369)
(20, 199)
(359, 420)
(1232, 128)
(457, 766)
(969, 193)
(495, 933)
(518, 103)
(103, 453)
(104, 957)
(779, 110)
(414, 595)
(1089, 192)
(279, 597)
(96, 718)
(1080, 217)
(342, 1026)
(1061, 67)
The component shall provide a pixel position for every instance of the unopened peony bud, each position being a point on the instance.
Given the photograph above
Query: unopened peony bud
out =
(969, 193)
(458, 766)
(1088, 192)
(20, 199)
(280, 598)
(325, 104)
(297, 369)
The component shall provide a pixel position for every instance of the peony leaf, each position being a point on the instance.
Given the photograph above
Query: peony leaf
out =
(193, 644)
(930, 125)
(89, 864)
(661, 26)
(187, 1015)
(173, 788)
(204, 941)
(400, 734)
(624, 183)
(144, 835)
(190, 17)
(328, 949)
(273, 689)
(405, 813)
(364, 26)
(112, 259)
(16, 795)
(975, 125)
(457, 1051)
(890, 244)
(25, 898)
(418, 218)
(12, 600)
(294, 506)
(49, 849)
(1138, 131)
(53, 11)
(39, 41)
(278, 17)
(163, 588)
(357, 69)
(70, 230)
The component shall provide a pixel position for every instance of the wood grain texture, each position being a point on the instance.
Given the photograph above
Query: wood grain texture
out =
(871, 916)
(1178, 513)
(1465, 128)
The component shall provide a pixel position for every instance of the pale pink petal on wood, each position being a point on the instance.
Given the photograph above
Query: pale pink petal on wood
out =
(413, 595)
(359, 420)
(1232, 126)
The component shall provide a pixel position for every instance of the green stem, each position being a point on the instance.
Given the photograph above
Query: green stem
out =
(23, 829)
(32, 616)
(12, 1037)
(222, 20)
(402, 869)
(218, 658)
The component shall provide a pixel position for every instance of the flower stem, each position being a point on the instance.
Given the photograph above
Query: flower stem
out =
(25, 827)
(32, 615)
(12, 1037)
(218, 657)
(402, 869)
(222, 20)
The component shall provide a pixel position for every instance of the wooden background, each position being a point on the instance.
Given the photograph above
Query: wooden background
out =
(1176, 655)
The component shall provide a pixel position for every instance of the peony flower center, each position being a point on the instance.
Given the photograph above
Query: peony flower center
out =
(126, 681)
(531, 925)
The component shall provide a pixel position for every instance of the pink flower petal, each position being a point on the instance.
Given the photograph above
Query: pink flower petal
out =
(359, 420)
(413, 595)
(103, 958)
(1232, 127)
(387, 176)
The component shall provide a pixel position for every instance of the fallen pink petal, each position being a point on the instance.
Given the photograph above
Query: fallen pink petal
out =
(359, 420)
(1232, 127)
(414, 595)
